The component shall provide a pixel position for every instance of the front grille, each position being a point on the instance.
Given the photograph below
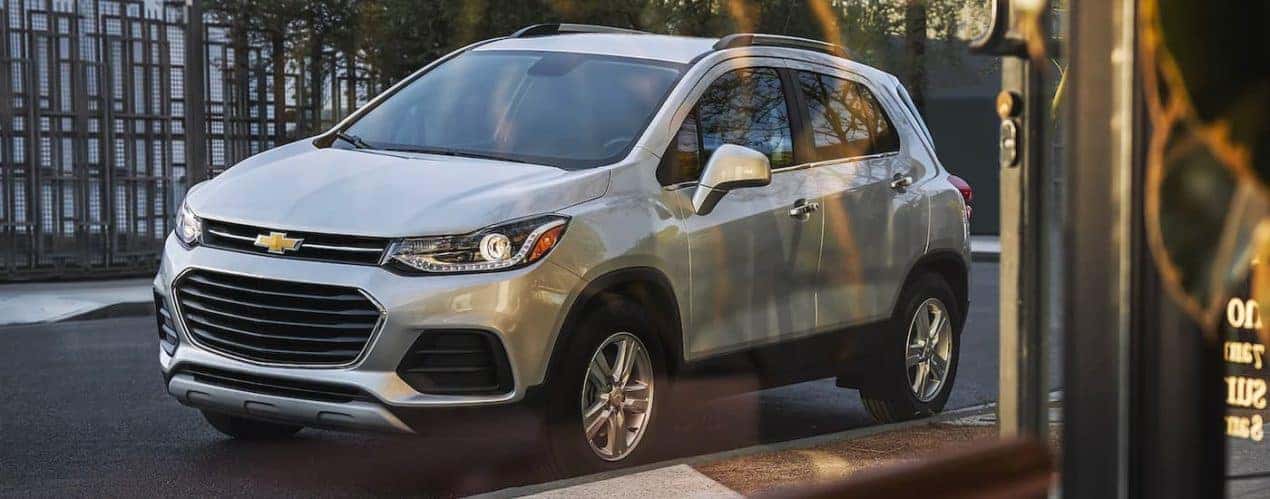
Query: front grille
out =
(273, 321)
(168, 339)
(457, 363)
(313, 246)
(306, 390)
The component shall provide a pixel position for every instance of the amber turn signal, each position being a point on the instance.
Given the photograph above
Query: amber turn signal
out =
(545, 242)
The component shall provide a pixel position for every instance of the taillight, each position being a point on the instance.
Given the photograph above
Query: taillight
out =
(967, 193)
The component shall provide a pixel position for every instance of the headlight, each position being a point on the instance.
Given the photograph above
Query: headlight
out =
(189, 229)
(505, 246)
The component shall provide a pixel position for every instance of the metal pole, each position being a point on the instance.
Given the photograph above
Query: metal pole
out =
(1022, 278)
(1028, 228)
(1143, 417)
(1097, 362)
(196, 168)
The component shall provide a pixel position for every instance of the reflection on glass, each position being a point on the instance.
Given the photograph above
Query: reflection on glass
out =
(1245, 382)
(682, 161)
(747, 107)
(846, 119)
(514, 105)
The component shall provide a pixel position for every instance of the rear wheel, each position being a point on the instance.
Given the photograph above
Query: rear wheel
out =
(249, 429)
(919, 360)
(607, 395)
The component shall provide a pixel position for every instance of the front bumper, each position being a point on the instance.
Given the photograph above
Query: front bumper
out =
(355, 415)
(523, 308)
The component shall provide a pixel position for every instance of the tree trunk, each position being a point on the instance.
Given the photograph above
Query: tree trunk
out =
(277, 52)
(315, 86)
(238, 122)
(350, 70)
(915, 47)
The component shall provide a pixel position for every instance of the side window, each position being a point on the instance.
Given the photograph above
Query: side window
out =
(919, 123)
(882, 129)
(747, 107)
(682, 161)
(836, 131)
(845, 118)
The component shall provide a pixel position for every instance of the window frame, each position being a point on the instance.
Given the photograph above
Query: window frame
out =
(854, 79)
(671, 150)
(786, 66)
(689, 108)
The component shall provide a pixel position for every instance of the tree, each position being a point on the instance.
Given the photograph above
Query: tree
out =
(236, 15)
(915, 47)
(277, 20)
(324, 22)
(401, 36)
(379, 42)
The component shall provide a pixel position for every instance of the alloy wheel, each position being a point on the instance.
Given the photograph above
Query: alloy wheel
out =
(928, 351)
(617, 396)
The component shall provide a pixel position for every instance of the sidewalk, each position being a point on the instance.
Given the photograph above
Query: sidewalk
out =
(768, 468)
(985, 248)
(36, 302)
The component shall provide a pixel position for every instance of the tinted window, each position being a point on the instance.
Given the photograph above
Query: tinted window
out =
(881, 128)
(560, 109)
(747, 107)
(845, 118)
(682, 161)
(918, 124)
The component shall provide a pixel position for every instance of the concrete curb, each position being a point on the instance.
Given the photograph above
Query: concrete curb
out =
(112, 311)
(744, 451)
(52, 302)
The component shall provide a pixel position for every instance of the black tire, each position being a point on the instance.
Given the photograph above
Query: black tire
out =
(890, 398)
(570, 449)
(249, 429)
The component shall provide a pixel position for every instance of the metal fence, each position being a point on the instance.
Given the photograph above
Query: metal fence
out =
(92, 129)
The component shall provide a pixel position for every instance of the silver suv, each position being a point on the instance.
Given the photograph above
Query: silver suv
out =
(571, 220)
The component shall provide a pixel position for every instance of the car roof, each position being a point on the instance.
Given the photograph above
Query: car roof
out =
(680, 49)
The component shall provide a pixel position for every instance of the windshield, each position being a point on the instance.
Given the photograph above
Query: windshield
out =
(561, 109)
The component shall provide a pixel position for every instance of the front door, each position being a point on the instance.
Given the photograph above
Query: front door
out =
(753, 261)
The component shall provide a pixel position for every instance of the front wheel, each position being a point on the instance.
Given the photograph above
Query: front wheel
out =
(608, 392)
(249, 429)
(919, 361)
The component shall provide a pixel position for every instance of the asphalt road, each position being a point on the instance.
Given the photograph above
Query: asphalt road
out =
(85, 413)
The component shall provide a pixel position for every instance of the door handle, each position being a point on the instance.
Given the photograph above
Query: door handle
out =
(802, 208)
(900, 181)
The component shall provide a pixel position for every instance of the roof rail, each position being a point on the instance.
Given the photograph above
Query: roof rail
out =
(754, 39)
(566, 28)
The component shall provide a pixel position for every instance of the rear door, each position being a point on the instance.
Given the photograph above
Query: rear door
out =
(855, 163)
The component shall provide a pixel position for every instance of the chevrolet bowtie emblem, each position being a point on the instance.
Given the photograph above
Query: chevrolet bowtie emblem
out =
(278, 242)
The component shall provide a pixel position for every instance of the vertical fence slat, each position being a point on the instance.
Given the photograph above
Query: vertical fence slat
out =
(94, 100)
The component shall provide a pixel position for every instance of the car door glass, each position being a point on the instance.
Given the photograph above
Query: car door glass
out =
(682, 160)
(881, 129)
(747, 107)
(837, 132)
(908, 103)
(846, 118)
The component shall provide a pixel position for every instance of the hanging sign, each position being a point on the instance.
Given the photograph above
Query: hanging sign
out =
(1245, 358)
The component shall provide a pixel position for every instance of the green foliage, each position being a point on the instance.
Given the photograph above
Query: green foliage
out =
(385, 40)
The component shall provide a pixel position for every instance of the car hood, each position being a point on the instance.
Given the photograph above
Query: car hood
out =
(301, 187)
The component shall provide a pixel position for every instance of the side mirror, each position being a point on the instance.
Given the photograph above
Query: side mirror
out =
(730, 167)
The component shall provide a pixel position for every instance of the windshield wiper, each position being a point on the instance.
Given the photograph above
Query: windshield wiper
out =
(442, 151)
(352, 139)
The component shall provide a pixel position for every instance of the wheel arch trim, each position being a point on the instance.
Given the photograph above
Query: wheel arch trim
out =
(939, 262)
(623, 282)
